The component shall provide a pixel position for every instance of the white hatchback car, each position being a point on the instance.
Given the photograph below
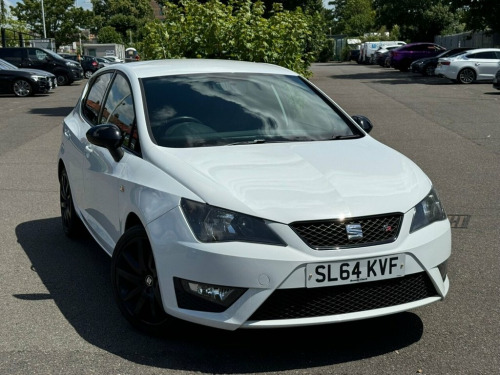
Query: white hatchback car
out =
(238, 195)
(476, 65)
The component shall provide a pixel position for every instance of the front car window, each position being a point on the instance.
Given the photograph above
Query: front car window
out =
(92, 103)
(229, 108)
(119, 110)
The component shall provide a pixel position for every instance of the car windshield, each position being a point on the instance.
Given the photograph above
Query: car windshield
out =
(53, 54)
(7, 65)
(231, 109)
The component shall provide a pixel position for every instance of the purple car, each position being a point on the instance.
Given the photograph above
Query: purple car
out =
(402, 57)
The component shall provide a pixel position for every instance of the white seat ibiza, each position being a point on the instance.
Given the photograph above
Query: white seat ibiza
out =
(238, 195)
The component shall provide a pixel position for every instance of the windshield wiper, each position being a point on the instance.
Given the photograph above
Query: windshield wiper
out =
(251, 142)
(350, 136)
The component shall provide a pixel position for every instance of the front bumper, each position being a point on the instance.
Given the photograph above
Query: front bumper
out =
(275, 276)
(77, 74)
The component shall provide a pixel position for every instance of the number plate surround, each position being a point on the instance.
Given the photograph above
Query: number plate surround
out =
(355, 271)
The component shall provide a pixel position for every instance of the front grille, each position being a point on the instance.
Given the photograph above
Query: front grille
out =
(314, 302)
(332, 234)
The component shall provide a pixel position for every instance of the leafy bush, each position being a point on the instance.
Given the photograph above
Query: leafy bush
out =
(237, 31)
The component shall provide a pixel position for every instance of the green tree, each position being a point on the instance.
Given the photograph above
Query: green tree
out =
(108, 34)
(419, 20)
(353, 17)
(237, 31)
(12, 26)
(479, 14)
(63, 20)
(125, 16)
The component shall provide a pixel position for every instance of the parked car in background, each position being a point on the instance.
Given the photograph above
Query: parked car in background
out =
(65, 70)
(89, 63)
(427, 65)
(402, 57)
(103, 62)
(52, 78)
(368, 49)
(480, 64)
(496, 80)
(382, 55)
(353, 55)
(114, 59)
(22, 83)
(210, 184)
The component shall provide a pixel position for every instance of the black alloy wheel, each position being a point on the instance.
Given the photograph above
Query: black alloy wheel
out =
(62, 79)
(22, 88)
(71, 223)
(135, 282)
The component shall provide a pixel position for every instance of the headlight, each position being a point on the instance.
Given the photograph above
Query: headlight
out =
(214, 224)
(427, 211)
(36, 78)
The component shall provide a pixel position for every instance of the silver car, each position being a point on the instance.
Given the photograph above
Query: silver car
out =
(476, 65)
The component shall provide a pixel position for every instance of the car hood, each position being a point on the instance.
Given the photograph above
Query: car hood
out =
(287, 182)
(39, 72)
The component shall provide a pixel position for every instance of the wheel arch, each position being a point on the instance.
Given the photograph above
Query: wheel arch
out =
(132, 221)
(60, 167)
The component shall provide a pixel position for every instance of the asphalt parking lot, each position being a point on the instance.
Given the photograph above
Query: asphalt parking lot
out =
(58, 315)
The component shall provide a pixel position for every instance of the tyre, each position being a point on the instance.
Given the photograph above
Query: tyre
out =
(72, 225)
(22, 88)
(135, 283)
(88, 74)
(62, 79)
(466, 76)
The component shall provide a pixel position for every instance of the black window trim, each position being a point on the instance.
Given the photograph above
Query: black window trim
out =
(114, 73)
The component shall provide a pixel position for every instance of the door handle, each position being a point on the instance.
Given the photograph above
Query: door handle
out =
(67, 133)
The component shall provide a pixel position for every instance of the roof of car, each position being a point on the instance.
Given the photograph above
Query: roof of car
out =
(153, 68)
(482, 50)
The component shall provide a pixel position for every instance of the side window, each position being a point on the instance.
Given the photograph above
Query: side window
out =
(119, 110)
(92, 102)
(482, 55)
(35, 54)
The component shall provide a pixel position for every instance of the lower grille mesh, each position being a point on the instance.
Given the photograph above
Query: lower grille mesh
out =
(314, 302)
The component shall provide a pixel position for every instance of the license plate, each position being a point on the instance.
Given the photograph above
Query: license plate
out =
(355, 271)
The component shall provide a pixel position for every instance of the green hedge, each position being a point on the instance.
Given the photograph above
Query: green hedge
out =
(237, 31)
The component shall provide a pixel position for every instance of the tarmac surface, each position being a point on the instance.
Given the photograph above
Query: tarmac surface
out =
(58, 315)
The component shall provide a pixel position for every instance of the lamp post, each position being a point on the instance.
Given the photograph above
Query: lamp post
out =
(43, 21)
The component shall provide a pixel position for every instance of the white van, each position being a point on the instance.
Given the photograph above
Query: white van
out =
(368, 49)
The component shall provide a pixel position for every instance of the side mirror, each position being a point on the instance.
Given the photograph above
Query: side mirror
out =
(108, 136)
(364, 122)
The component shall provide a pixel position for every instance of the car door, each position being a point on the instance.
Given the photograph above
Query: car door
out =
(104, 178)
(74, 140)
(486, 64)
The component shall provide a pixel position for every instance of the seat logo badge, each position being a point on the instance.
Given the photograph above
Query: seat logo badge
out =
(354, 231)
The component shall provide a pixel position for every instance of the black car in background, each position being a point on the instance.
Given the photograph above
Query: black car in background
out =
(89, 63)
(65, 70)
(427, 65)
(24, 82)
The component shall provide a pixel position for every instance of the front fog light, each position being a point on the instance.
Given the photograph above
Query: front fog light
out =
(205, 297)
